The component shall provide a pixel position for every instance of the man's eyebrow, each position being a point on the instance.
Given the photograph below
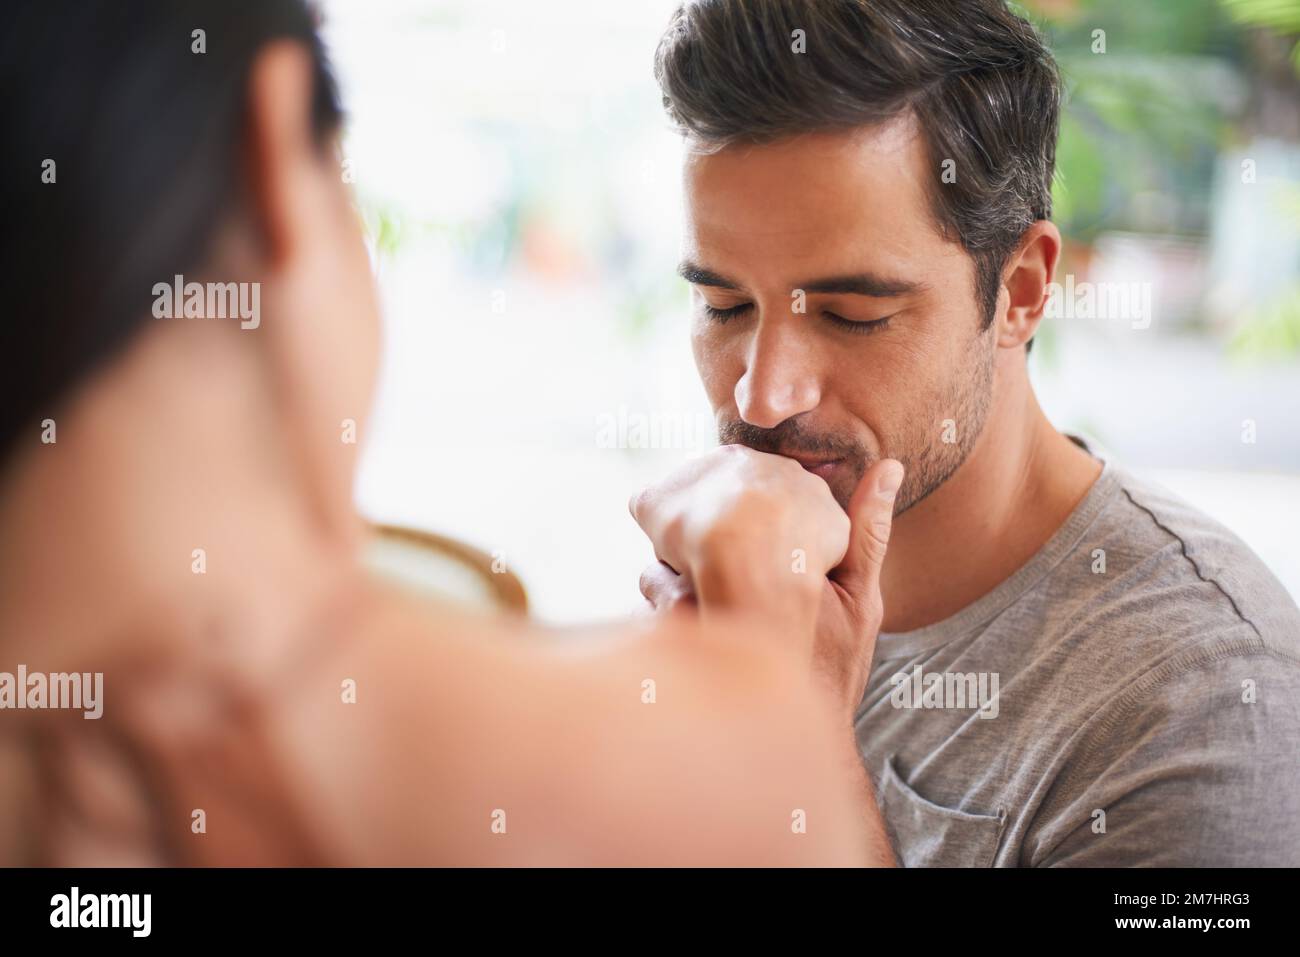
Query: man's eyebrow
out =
(863, 284)
(859, 284)
(697, 275)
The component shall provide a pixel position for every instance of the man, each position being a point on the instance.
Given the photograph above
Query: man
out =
(1072, 666)
(177, 526)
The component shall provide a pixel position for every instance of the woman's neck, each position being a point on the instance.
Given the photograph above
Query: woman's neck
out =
(167, 502)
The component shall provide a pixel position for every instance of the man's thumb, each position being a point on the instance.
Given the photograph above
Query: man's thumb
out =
(871, 514)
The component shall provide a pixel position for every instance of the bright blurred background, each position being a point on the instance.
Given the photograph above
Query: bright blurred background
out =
(521, 186)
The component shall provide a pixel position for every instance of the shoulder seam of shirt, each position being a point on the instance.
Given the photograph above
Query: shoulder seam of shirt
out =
(1182, 545)
(1125, 702)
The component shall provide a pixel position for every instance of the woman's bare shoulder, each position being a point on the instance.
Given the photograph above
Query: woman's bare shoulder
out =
(468, 739)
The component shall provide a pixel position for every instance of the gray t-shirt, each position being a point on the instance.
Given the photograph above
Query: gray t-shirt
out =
(1129, 697)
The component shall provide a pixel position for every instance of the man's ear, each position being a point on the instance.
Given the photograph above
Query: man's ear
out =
(1027, 278)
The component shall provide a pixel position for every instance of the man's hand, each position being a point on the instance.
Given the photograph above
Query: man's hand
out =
(754, 533)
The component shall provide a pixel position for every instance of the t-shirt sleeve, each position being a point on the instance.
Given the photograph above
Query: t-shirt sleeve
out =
(1199, 769)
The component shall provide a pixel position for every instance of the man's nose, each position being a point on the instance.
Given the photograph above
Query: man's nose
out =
(780, 379)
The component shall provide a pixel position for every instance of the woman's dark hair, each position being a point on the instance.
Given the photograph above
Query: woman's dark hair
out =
(144, 134)
(982, 84)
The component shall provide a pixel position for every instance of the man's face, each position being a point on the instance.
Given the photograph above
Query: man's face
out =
(883, 354)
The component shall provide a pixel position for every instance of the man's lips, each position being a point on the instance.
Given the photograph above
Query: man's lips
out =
(818, 466)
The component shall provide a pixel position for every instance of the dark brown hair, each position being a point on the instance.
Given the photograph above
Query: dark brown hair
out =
(146, 134)
(978, 78)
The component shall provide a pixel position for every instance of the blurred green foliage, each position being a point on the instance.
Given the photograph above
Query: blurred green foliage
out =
(1273, 328)
(1280, 16)
(1146, 109)
(1147, 119)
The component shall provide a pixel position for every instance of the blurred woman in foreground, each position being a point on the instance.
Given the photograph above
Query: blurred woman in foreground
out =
(130, 441)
